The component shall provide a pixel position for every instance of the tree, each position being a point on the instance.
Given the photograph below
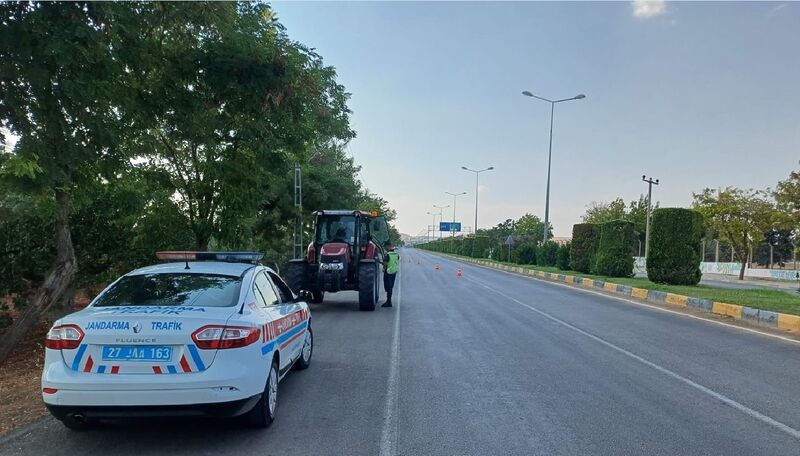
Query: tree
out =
(739, 217)
(228, 104)
(59, 83)
(602, 212)
(531, 227)
(787, 196)
(636, 212)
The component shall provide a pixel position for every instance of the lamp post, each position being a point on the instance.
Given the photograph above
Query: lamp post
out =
(433, 225)
(454, 195)
(441, 208)
(477, 173)
(650, 183)
(580, 96)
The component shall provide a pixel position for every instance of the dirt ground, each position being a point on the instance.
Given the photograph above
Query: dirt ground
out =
(20, 377)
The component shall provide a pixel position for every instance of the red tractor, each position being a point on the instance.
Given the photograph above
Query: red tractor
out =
(345, 254)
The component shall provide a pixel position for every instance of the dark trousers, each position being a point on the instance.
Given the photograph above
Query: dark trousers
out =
(388, 284)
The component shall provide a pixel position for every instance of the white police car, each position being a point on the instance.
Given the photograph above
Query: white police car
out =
(211, 333)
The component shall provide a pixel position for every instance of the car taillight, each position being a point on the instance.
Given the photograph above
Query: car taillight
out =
(220, 337)
(64, 337)
(310, 256)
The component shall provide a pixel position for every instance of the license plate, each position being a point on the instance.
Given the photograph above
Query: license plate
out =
(137, 353)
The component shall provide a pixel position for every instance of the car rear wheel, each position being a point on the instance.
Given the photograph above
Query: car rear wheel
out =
(263, 414)
(367, 277)
(317, 297)
(305, 353)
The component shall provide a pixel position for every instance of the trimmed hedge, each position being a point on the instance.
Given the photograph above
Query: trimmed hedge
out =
(675, 246)
(585, 238)
(562, 261)
(614, 257)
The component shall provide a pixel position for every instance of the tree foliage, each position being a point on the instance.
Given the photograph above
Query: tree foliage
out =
(147, 126)
(738, 217)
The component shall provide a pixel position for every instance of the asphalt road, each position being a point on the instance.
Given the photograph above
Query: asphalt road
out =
(492, 363)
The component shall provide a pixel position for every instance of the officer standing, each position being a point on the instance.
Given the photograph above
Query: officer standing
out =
(391, 264)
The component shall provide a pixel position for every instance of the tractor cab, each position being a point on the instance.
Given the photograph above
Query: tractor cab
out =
(346, 253)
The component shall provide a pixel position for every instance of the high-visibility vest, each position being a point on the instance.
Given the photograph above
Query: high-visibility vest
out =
(392, 263)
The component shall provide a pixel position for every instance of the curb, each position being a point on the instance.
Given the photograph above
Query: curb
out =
(748, 315)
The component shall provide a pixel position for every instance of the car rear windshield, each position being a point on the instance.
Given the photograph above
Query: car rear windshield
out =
(203, 290)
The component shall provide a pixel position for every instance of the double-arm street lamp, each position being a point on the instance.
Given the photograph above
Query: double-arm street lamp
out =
(477, 173)
(441, 208)
(454, 195)
(550, 153)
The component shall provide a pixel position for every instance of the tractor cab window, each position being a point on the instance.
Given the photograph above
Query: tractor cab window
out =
(336, 228)
(378, 230)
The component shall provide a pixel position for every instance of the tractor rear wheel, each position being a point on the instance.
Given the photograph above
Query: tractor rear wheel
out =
(367, 278)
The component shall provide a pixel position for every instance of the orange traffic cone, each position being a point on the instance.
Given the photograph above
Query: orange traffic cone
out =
(436, 266)
(458, 272)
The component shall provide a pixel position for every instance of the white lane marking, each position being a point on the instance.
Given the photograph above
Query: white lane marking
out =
(642, 304)
(390, 422)
(738, 406)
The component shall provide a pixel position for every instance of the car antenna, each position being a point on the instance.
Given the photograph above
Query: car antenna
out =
(186, 257)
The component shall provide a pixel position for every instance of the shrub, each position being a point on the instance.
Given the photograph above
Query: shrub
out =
(675, 246)
(562, 262)
(614, 257)
(585, 237)
(527, 253)
(548, 254)
(480, 247)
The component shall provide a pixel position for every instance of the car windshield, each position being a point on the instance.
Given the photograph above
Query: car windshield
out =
(202, 290)
(336, 228)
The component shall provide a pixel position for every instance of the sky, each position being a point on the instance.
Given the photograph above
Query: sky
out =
(695, 94)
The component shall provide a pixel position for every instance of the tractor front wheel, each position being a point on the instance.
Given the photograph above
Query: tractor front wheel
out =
(367, 286)
(296, 275)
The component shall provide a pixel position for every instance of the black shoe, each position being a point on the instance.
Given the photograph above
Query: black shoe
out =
(388, 303)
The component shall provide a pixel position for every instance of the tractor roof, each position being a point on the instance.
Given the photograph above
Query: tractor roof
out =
(344, 212)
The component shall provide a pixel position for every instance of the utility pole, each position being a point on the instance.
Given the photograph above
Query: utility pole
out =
(452, 230)
(650, 183)
(298, 203)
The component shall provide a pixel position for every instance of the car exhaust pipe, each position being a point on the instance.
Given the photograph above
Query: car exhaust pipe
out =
(79, 417)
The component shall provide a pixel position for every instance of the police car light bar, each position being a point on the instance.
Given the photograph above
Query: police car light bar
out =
(234, 257)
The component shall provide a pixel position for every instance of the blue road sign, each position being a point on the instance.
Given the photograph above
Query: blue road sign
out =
(450, 226)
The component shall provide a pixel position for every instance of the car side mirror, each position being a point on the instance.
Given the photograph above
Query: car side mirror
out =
(304, 295)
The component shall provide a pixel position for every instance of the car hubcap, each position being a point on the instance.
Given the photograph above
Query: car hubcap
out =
(273, 391)
(307, 347)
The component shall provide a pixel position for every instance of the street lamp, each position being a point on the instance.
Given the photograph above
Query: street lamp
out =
(580, 96)
(477, 172)
(454, 195)
(441, 208)
(433, 225)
